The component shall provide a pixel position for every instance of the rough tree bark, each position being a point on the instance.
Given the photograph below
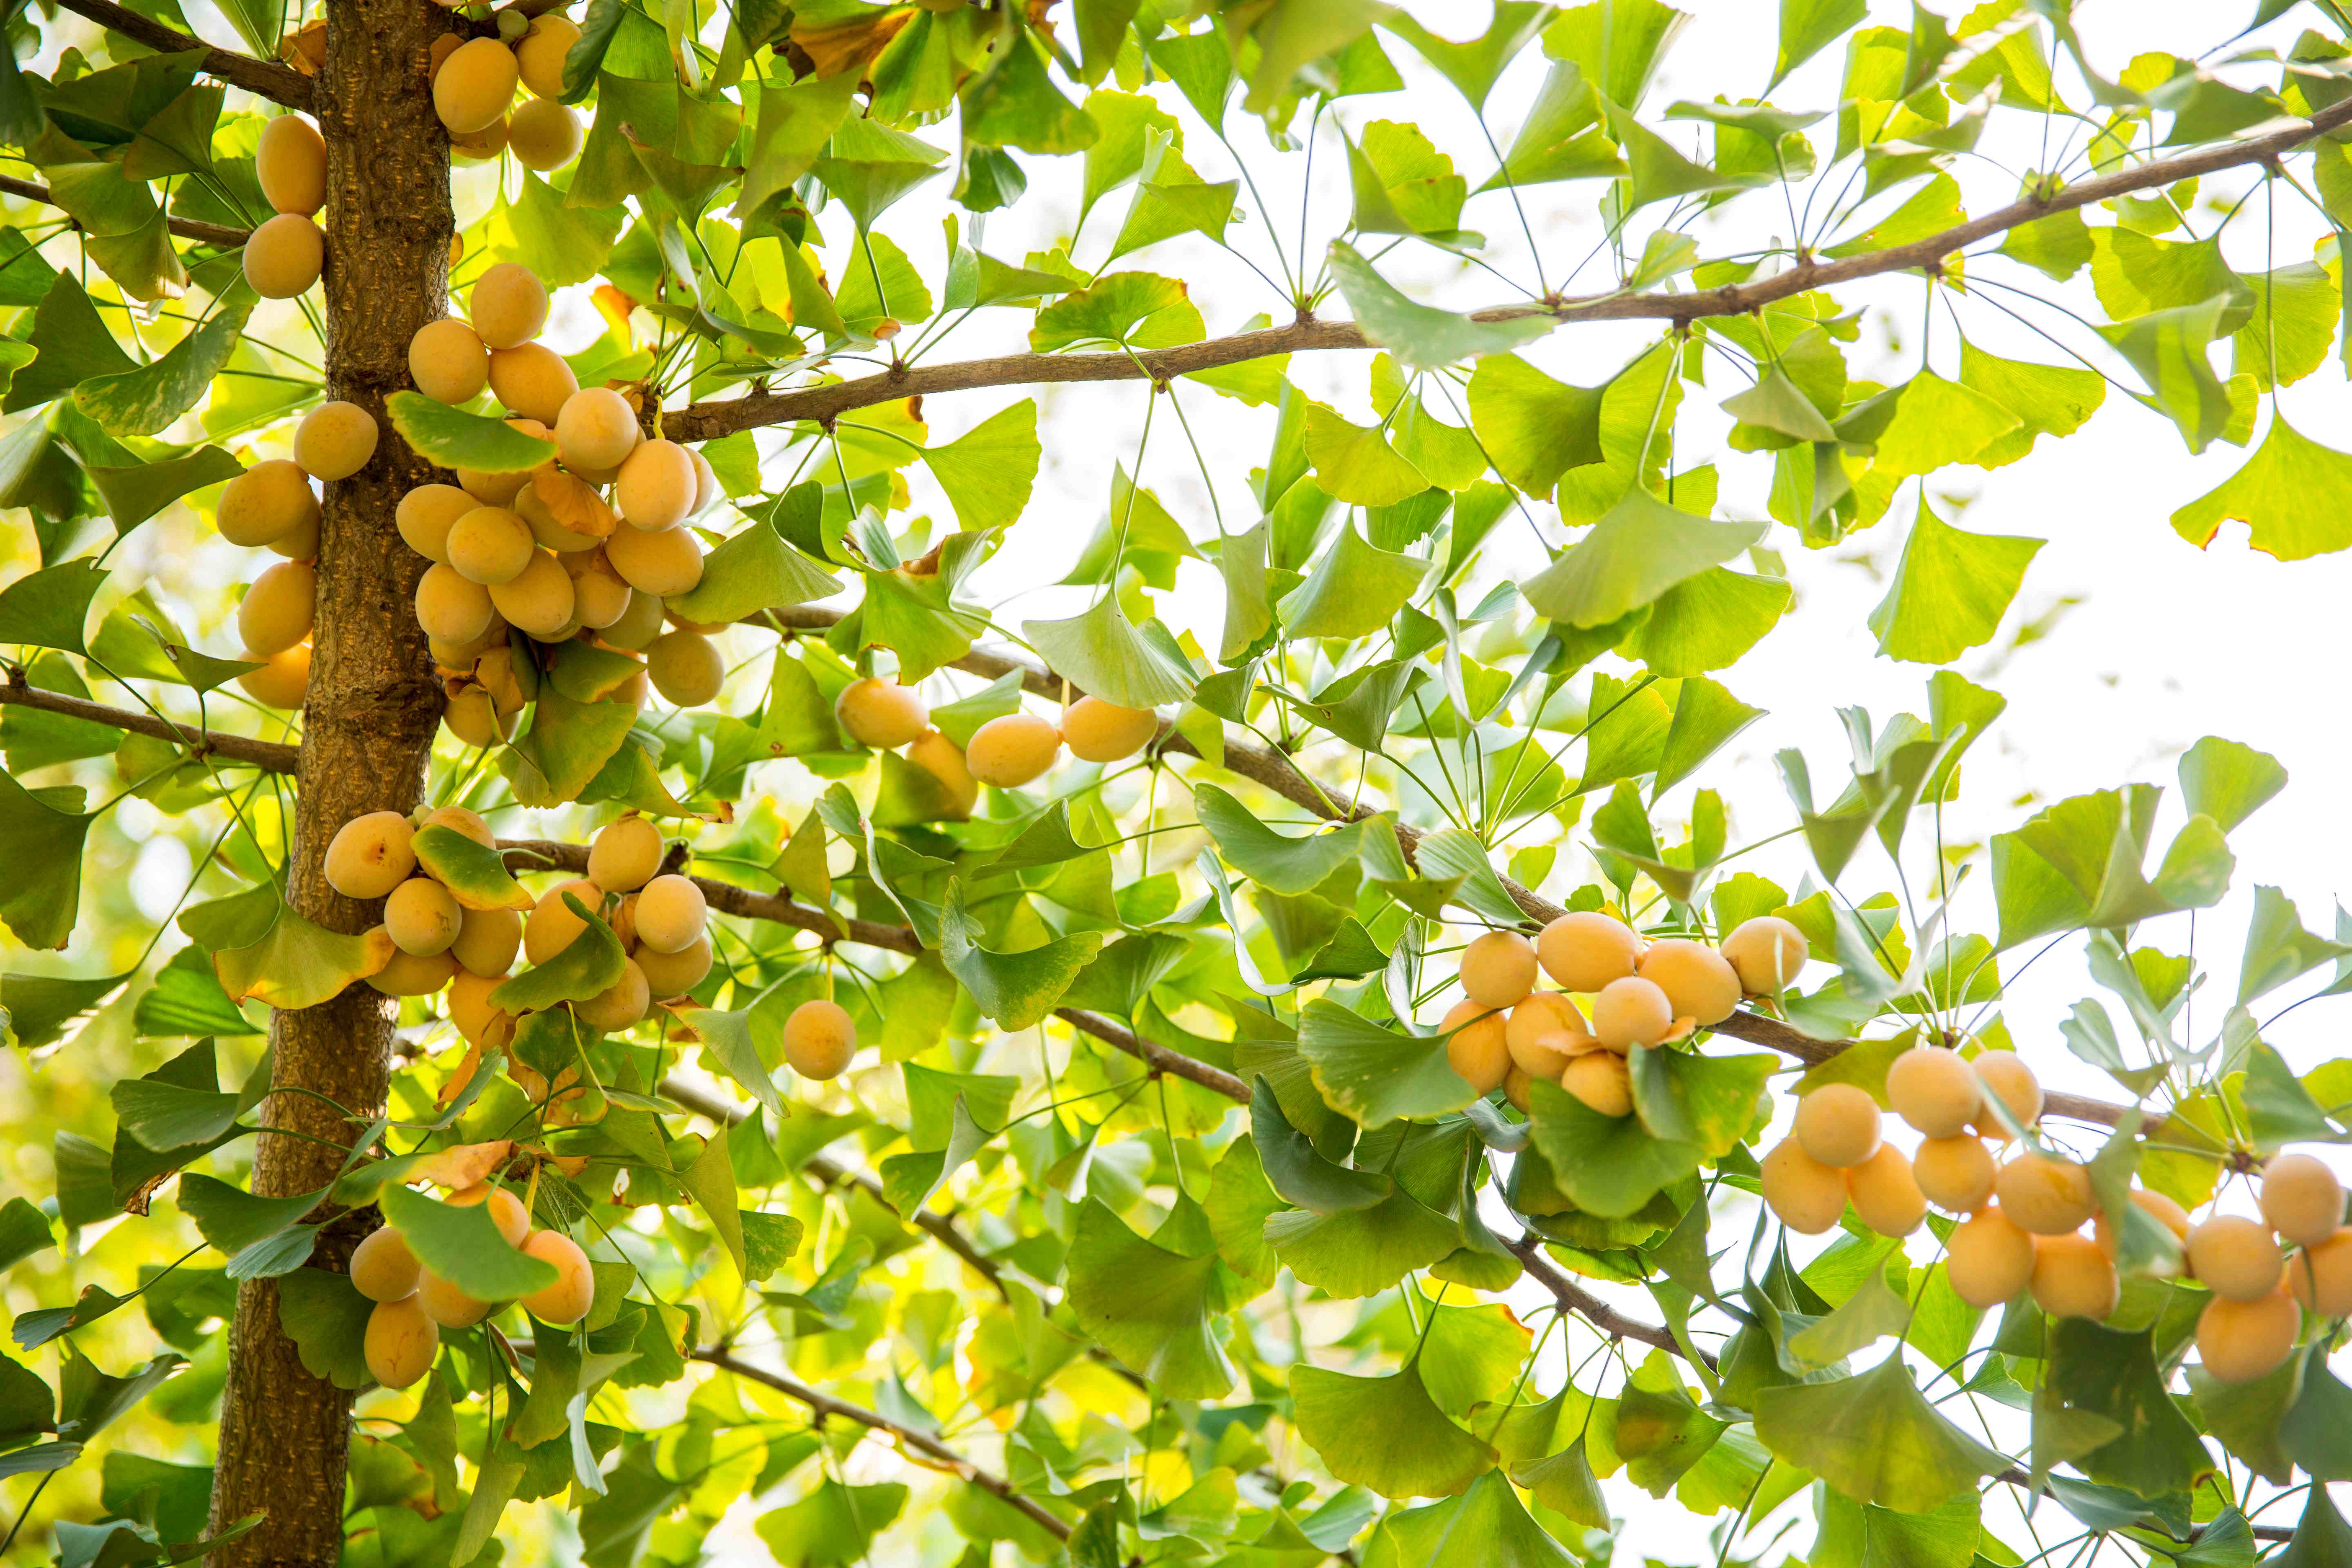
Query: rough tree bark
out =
(367, 730)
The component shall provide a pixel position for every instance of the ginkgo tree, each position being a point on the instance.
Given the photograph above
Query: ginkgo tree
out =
(679, 1013)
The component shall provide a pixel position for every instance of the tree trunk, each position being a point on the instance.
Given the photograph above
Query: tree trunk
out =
(367, 731)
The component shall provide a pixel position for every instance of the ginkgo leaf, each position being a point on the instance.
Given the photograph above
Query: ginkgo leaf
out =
(1150, 1306)
(988, 471)
(1950, 590)
(1385, 1433)
(1639, 548)
(1422, 337)
(2294, 495)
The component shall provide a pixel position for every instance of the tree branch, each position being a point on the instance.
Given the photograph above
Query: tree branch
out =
(271, 755)
(1574, 1298)
(703, 421)
(265, 78)
(185, 228)
(1265, 765)
(825, 1406)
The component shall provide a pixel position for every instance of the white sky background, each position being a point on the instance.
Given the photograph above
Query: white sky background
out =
(2169, 644)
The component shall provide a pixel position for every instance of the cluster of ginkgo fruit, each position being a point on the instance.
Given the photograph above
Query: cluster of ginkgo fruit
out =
(284, 254)
(1008, 752)
(413, 1304)
(543, 551)
(474, 82)
(445, 936)
(1504, 1033)
(272, 505)
(2024, 1233)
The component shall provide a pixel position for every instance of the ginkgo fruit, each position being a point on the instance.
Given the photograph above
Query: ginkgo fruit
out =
(446, 1304)
(470, 1007)
(539, 56)
(474, 86)
(278, 609)
(655, 489)
(1499, 969)
(299, 543)
(685, 668)
(533, 381)
(669, 974)
(1631, 1012)
(943, 760)
(640, 622)
(1699, 983)
(625, 855)
(447, 360)
(506, 1210)
(1886, 1197)
(1806, 1195)
(2239, 1341)
(671, 913)
(290, 163)
(2235, 1258)
(1837, 1124)
(421, 917)
(1767, 953)
(282, 681)
(474, 718)
(1544, 1032)
(538, 599)
(1935, 1090)
(1955, 1174)
(1012, 749)
(2044, 1194)
(574, 1291)
(2301, 1198)
(267, 502)
(2072, 1279)
(1585, 949)
(2321, 1275)
(881, 713)
(507, 305)
(371, 854)
(427, 513)
(284, 256)
(599, 597)
(551, 926)
(478, 146)
(1515, 1088)
(1601, 1080)
(488, 940)
(1477, 1047)
(489, 545)
(450, 606)
(595, 430)
(620, 1005)
(401, 1341)
(2007, 1078)
(820, 1038)
(664, 563)
(1101, 732)
(335, 440)
(1988, 1258)
(382, 1269)
(412, 973)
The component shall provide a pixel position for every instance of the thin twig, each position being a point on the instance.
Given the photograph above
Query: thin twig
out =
(266, 79)
(703, 421)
